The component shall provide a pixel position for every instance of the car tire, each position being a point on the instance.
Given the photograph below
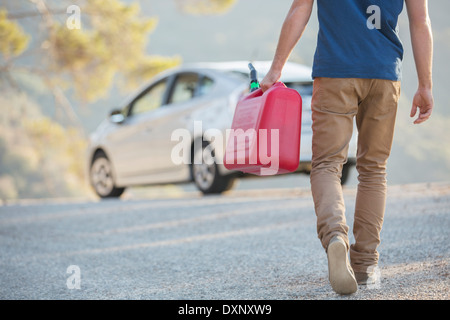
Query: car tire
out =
(101, 177)
(206, 175)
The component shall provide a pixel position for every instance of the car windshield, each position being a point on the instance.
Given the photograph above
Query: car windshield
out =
(151, 99)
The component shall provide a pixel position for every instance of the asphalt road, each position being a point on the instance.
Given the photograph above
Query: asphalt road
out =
(248, 244)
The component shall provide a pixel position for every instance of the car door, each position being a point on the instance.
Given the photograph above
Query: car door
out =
(134, 145)
(176, 114)
(188, 98)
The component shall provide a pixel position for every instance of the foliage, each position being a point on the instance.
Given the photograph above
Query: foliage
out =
(111, 43)
(38, 157)
(13, 40)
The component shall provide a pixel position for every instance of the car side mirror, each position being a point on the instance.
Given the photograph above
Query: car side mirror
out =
(116, 116)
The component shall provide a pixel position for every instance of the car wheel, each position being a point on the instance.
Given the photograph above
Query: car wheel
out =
(102, 179)
(206, 174)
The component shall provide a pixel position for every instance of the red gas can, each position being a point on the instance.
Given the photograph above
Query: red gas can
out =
(265, 135)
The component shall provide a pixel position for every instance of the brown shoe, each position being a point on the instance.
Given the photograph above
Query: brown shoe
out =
(340, 272)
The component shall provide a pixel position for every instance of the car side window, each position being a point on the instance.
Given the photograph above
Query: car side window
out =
(184, 87)
(150, 100)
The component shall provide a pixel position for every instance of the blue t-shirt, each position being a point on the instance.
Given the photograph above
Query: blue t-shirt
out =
(358, 39)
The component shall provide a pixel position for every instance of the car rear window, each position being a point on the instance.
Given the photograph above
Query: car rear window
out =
(304, 88)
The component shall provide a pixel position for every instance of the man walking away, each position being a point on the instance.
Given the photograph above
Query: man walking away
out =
(357, 73)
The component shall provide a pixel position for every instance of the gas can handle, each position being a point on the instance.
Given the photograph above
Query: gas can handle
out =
(258, 92)
(255, 93)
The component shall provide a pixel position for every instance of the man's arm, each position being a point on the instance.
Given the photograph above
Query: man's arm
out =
(293, 27)
(422, 45)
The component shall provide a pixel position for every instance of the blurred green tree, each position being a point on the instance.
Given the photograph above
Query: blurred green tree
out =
(111, 42)
(38, 156)
(13, 40)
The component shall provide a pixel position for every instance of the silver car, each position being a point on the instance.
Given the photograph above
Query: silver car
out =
(162, 132)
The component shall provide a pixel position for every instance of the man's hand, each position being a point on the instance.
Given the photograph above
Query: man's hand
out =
(269, 80)
(423, 100)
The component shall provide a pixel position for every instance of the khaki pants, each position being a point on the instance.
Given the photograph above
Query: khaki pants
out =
(335, 103)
